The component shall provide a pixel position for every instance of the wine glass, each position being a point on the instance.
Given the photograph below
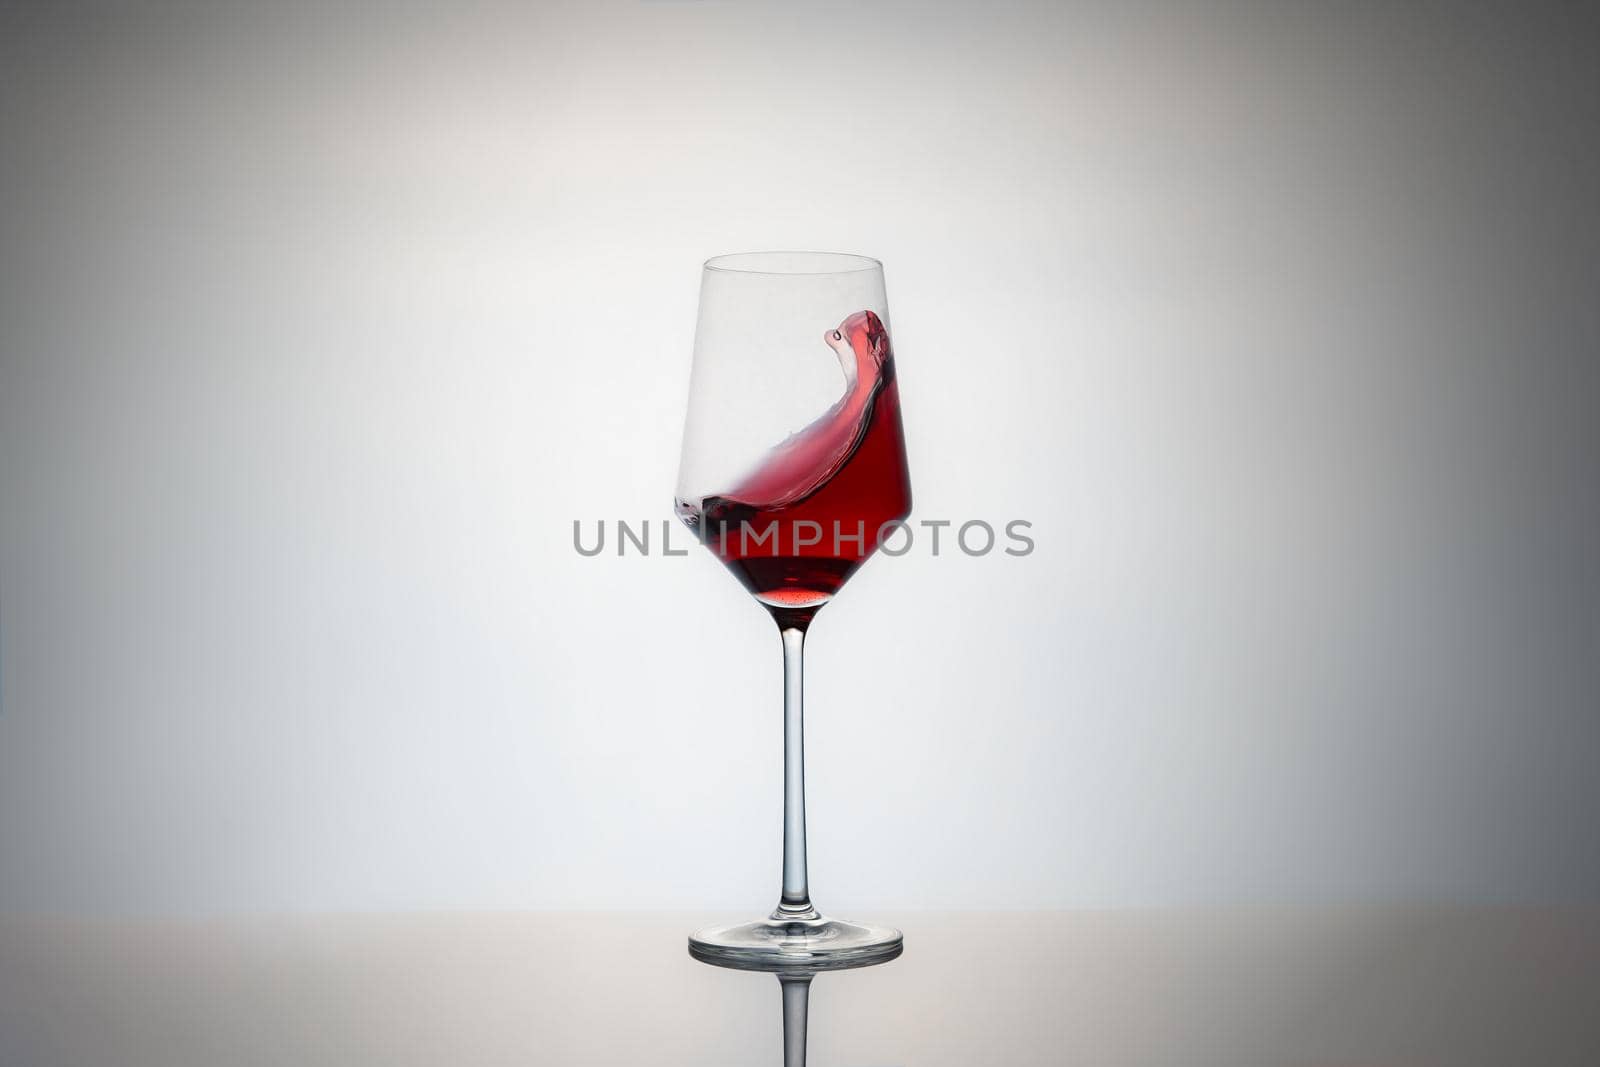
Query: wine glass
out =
(793, 471)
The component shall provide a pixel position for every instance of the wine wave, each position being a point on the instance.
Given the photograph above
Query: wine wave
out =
(846, 470)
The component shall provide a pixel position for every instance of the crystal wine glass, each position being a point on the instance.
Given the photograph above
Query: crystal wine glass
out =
(793, 471)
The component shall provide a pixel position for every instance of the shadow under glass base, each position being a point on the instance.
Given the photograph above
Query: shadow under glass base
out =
(779, 943)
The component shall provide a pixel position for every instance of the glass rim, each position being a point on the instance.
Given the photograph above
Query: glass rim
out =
(792, 262)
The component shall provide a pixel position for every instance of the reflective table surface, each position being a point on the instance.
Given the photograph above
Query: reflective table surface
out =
(1310, 988)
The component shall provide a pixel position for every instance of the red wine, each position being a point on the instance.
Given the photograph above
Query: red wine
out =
(844, 474)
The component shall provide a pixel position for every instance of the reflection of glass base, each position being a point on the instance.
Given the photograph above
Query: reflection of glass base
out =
(810, 944)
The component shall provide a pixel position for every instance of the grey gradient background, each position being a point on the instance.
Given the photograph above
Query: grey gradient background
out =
(319, 324)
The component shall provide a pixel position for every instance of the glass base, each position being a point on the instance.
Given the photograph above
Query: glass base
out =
(778, 944)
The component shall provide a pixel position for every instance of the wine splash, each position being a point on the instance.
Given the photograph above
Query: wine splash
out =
(795, 528)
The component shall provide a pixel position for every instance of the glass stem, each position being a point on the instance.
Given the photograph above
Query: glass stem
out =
(796, 998)
(795, 903)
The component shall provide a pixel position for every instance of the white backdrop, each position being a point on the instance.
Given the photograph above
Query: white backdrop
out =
(319, 328)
